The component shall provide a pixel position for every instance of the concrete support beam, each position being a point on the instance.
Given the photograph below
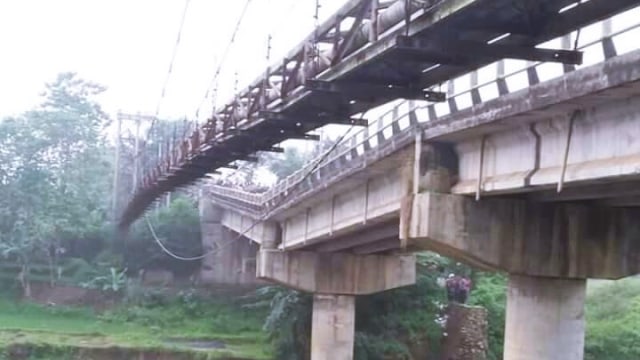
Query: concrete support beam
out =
(336, 273)
(266, 233)
(438, 165)
(545, 319)
(521, 237)
(231, 259)
(333, 327)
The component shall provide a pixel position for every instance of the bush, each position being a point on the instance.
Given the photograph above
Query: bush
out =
(490, 292)
(613, 321)
(178, 227)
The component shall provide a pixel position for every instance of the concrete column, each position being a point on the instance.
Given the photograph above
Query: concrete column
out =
(231, 260)
(333, 327)
(545, 319)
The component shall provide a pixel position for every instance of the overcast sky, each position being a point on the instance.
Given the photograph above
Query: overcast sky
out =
(127, 45)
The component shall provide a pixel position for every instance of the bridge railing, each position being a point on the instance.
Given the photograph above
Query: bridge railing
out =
(463, 92)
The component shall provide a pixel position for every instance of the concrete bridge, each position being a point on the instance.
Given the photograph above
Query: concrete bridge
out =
(538, 179)
(369, 53)
(531, 171)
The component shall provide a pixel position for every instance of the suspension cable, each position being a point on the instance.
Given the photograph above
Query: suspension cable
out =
(176, 46)
(263, 217)
(213, 82)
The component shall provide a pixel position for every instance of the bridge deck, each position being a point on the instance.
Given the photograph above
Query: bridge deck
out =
(449, 38)
(372, 215)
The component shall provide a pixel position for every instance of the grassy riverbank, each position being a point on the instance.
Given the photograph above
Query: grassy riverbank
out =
(214, 331)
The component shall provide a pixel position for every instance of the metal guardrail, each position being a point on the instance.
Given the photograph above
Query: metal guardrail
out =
(403, 116)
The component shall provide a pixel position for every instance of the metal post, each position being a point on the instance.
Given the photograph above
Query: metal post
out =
(136, 155)
(116, 168)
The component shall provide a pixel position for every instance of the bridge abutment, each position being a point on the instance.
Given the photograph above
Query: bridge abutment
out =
(545, 318)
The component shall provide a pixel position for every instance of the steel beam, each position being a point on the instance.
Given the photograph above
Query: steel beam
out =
(273, 149)
(321, 119)
(300, 136)
(359, 91)
(459, 51)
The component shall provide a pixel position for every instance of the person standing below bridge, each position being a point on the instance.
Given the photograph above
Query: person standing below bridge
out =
(458, 288)
(463, 289)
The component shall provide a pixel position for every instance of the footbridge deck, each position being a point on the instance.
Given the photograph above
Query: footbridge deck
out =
(369, 53)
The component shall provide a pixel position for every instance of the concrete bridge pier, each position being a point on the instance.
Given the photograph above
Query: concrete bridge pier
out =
(231, 260)
(545, 318)
(335, 279)
(549, 250)
(333, 327)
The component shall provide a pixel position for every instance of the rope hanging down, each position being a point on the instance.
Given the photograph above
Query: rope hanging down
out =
(263, 217)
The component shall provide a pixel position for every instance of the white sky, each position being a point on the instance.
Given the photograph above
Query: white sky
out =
(126, 45)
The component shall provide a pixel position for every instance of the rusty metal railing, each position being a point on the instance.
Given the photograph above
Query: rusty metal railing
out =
(406, 115)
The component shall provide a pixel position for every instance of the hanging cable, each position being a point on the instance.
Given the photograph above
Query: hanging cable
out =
(316, 47)
(232, 40)
(173, 57)
(263, 217)
(316, 35)
(169, 252)
(174, 52)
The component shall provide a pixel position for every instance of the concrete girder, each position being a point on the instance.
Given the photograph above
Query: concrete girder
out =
(521, 237)
(336, 273)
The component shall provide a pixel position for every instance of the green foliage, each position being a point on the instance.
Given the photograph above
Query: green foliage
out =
(178, 228)
(77, 269)
(53, 175)
(292, 161)
(289, 321)
(133, 327)
(393, 319)
(112, 281)
(490, 292)
(613, 321)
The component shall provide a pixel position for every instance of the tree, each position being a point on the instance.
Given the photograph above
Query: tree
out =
(54, 172)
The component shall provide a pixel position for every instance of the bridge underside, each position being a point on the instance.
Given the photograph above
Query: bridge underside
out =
(451, 38)
(357, 207)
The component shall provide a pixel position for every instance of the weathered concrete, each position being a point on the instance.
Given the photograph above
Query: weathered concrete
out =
(263, 232)
(521, 237)
(336, 273)
(545, 319)
(333, 327)
(533, 156)
(232, 260)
